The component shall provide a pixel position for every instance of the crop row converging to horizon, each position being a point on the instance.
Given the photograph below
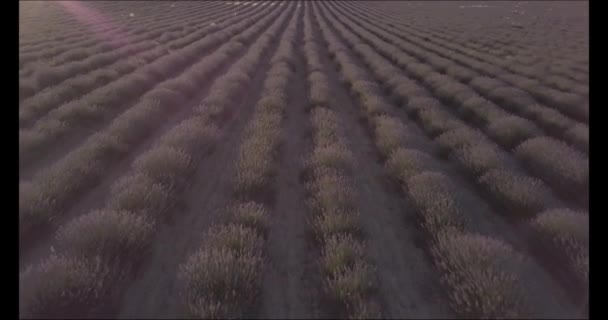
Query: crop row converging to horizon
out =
(303, 159)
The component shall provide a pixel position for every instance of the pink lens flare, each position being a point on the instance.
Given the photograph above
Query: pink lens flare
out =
(101, 26)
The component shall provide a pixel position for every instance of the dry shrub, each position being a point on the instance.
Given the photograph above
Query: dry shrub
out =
(578, 135)
(166, 96)
(331, 191)
(184, 85)
(147, 114)
(390, 133)
(560, 82)
(405, 90)
(40, 200)
(481, 157)
(25, 115)
(405, 163)
(319, 89)
(437, 199)
(313, 60)
(330, 223)
(523, 82)
(374, 105)
(331, 195)
(475, 268)
(385, 70)
(33, 206)
(521, 194)
(220, 283)
(512, 130)
(512, 98)
(454, 91)
(458, 138)
(250, 214)
(223, 90)
(569, 103)
(486, 68)
(26, 88)
(480, 110)
(459, 72)
(435, 121)
(284, 54)
(255, 160)
(439, 63)
(394, 80)
(112, 235)
(276, 80)
(556, 162)
(165, 65)
(237, 238)
(364, 87)
(191, 135)
(565, 224)
(166, 165)
(274, 102)
(335, 156)
(319, 95)
(139, 194)
(46, 75)
(73, 114)
(253, 169)
(325, 126)
(277, 90)
(436, 79)
(41, 101)
(249, 62)
(350, 71)
(485, 84)
(77, 54)
(364, 308)
(339, 252)
(548, 118)
(420, 70)
(279, 71)
(61, 287)
(417, 104)
(99, 150)
(349, 284)
(568, 231)
(394, 53)
(265, 124)
(201, 71)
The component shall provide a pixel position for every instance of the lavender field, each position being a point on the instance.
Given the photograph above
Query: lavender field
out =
(304, 159)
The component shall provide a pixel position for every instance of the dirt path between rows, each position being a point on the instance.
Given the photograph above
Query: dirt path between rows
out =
(408, 287)
(95, 198)
(290, 281)
(156, 292)
(546, 296)
(80, 135)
